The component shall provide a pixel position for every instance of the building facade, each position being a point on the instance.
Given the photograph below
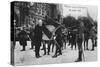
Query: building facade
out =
(27, 12)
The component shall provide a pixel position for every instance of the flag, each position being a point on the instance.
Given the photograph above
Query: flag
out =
(47, 31)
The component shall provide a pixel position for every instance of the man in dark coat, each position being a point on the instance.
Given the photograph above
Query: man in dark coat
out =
(38, 38)
(58, 42)
(23, 38)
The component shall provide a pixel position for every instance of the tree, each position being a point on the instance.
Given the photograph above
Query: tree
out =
(70, 22)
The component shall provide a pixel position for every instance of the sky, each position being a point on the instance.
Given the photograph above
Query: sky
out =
(79, 10)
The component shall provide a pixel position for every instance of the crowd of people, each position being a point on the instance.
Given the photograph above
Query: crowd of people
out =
(58, 39)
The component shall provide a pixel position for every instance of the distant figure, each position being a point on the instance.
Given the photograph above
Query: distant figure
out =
(31, 35)
(23, 38)
(73, 40)
(38, 37)
(69, 38)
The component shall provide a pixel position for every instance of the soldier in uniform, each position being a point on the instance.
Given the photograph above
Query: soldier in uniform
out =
(38, 37)
(58, 43)
(80, 38)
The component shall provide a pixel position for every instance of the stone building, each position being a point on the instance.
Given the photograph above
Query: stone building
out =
(28, 12)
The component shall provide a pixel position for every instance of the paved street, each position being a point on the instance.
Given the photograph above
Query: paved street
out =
(28, 57)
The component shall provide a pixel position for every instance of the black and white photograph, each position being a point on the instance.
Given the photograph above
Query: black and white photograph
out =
(53, 33)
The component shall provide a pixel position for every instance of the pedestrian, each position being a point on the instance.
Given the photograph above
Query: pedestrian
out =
(23, 38)
(38, 37)
(31, 35)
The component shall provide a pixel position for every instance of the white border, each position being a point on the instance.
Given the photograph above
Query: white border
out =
(5, 31)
